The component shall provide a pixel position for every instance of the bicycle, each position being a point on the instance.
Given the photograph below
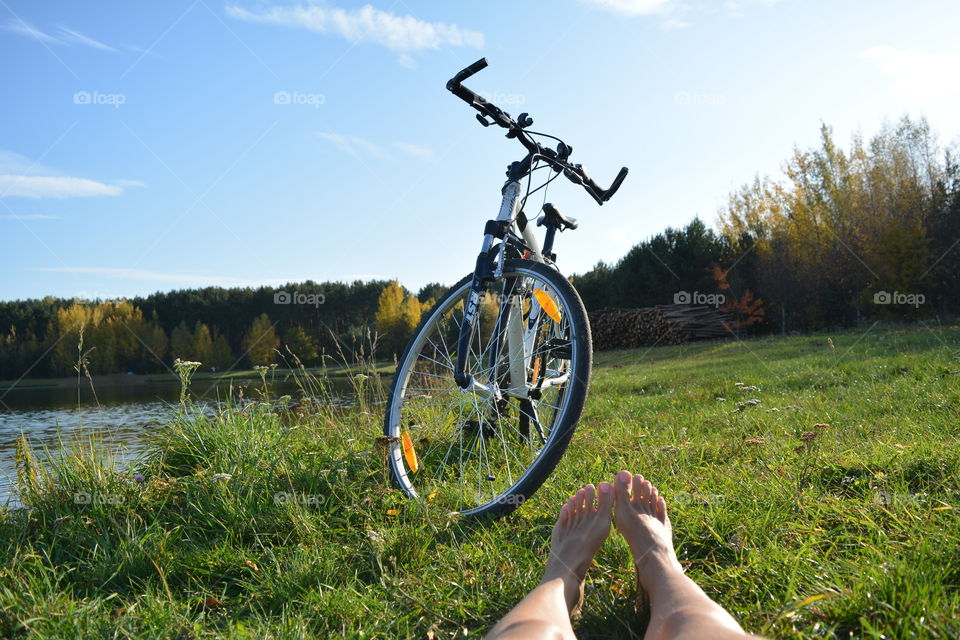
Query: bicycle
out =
(489, 390)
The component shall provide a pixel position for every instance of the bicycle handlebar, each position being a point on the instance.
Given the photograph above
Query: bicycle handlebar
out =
(574, 172)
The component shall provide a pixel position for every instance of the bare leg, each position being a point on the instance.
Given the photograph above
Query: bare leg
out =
(678, 607)
(580, 530)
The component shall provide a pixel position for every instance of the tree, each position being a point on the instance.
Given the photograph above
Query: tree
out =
(260, 342)
(221, 357)
(202, 344)
(397, 316)
(181, 343)
(301, 344)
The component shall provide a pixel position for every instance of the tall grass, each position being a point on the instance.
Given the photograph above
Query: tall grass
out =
(273, 517)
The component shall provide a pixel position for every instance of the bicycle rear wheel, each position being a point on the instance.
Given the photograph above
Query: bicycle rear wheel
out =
(485, 449)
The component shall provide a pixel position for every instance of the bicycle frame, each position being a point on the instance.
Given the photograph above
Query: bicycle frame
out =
(520, 340)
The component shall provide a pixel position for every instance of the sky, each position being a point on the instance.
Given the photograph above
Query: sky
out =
(150, 146)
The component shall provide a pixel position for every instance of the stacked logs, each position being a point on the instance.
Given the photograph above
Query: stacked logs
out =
(661, 325)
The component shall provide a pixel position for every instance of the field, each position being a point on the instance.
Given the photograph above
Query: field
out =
(828, 508)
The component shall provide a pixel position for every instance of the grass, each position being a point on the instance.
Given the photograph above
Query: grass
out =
(850, 530)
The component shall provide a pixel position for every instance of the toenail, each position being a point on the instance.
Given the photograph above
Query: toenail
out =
(604, 487)
(624, 476)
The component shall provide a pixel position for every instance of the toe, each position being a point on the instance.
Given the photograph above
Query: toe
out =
(562, 518)
(581, 499)
(621, 487)
(605, 498)
(591, 494)
(662, 511)
(638, 489)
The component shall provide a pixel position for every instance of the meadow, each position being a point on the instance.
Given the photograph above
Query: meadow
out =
(813, 483)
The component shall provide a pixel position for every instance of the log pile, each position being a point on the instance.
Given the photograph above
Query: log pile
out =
(661, 325)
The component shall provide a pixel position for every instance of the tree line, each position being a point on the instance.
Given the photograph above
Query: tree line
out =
(842, 237)
(221, 328)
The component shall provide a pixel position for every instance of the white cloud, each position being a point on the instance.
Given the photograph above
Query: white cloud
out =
(22, 28)
(365, 25)
(916, 75)
(64, 35)
(406, 60)
(29, 216)
(54, 187)
(633, 7)
(69, 35)
(415, 150)
(21, 178)
(353, 145)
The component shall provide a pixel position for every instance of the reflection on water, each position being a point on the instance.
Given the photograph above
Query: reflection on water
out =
(49, 417)
(120, 427)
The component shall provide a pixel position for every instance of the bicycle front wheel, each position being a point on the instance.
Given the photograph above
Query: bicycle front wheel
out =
(485, 449)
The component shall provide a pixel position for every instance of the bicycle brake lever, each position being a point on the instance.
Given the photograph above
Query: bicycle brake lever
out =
(482, 119)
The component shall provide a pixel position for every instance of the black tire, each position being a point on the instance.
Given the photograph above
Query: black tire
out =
(566, 413)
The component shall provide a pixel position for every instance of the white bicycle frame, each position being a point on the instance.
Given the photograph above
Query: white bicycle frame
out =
(520, 340)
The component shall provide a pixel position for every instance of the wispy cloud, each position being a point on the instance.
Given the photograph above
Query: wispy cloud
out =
(29, 216)
(63, 35)
(673, 14)
(365, 25)
(21, 178)
(633, 7)
(54, 187)
(71, 36)
(415, 150)
(916, 75)
(353, 145)
(358, 147)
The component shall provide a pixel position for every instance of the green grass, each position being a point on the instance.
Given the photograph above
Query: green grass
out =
(852, 530)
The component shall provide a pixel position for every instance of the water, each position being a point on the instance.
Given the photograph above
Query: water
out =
(120, 416)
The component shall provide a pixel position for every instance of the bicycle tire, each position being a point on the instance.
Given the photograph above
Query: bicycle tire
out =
(563, 426)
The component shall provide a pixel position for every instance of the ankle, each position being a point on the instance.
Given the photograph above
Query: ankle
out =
(653, 567)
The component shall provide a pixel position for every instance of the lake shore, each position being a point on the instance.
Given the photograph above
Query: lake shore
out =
(133, 379)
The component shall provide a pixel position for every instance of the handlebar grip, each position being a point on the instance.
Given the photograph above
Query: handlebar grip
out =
(466, 73)
(616, 184)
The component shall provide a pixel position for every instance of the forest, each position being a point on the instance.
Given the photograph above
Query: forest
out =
(843, 237)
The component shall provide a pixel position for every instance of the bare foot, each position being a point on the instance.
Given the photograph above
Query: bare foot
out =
(580, 530)
(640, 516)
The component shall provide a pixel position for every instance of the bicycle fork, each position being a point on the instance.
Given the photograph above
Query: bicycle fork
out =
(512, 322)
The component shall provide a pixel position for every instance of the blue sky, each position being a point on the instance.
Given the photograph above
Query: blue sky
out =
(149, 146)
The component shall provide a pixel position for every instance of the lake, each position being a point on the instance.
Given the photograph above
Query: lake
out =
(118, 415)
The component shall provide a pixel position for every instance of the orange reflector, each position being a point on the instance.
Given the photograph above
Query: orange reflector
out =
(547, 304)
(409, 454)
(536, 370)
